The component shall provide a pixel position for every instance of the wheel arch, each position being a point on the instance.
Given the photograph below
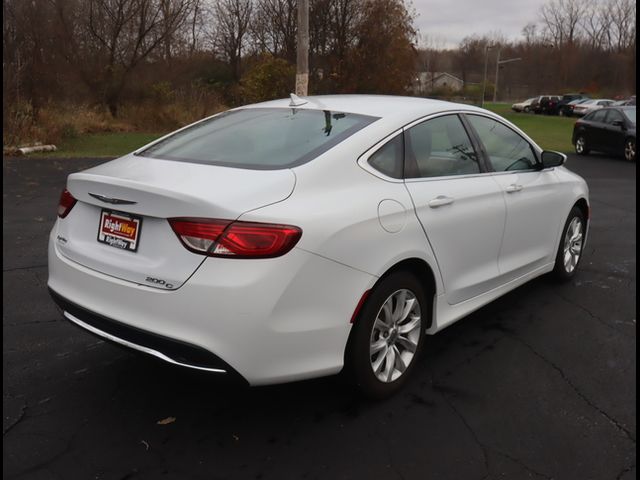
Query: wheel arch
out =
(425, 274)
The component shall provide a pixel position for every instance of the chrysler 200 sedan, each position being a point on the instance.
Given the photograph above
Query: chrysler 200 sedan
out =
(305, 237)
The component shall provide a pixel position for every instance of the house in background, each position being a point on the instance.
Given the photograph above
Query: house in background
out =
(428, 82)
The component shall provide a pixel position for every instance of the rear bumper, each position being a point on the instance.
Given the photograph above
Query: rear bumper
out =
(167, 349)
(270, 320)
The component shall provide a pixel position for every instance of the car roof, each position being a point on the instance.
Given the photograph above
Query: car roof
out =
(383, 106)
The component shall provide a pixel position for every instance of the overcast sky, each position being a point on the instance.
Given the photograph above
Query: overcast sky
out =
(449, 21)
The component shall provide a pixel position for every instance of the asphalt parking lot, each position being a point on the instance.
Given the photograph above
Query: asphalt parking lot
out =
(539, 384)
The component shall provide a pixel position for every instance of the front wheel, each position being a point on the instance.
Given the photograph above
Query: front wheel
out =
(527, 109)
(630, 150)
(388, 335)
(571, 245)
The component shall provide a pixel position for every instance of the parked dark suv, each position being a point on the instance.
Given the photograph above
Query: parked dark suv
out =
(546, 104)
(563, 107)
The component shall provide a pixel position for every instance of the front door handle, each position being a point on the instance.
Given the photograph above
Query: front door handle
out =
(514, 187)
(440, 200)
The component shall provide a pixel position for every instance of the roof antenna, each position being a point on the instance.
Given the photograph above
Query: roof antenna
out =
(296, 101)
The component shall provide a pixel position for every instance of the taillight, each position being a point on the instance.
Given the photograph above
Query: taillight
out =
(224, 238)
(66, 203)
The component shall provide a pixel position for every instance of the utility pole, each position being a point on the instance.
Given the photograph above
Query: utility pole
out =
(302, 64)
(484, 79)
(498, 63)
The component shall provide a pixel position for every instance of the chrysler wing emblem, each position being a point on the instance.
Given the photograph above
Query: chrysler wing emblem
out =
(113, 201)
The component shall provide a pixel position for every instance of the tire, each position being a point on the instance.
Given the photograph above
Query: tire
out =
(630, 150)
(571, 245)
(369, 333)
(527, 110)
(582, 147)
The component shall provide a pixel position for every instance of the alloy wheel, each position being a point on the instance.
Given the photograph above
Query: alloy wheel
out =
(580, 145)
(630, 150)
(395, 335)
(573, 245)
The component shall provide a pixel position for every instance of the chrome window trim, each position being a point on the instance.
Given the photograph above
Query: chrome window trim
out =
(363, 160)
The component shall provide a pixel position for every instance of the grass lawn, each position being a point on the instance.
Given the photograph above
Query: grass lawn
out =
(552, 133)
(113, 144)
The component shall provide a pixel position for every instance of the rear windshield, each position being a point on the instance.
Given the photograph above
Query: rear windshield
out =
(630, 113)
(259, 138)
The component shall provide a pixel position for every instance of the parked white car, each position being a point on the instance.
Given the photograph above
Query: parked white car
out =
(524, 106)
(299, 238)
(583, 108)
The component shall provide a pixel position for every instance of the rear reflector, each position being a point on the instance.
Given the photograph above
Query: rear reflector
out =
(224, 238)
(356, 312)
(66, 203)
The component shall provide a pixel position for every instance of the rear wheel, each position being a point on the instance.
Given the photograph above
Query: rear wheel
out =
(630, 150)
(388, 335)
(581, 146)
(571, 243)
(527, 109)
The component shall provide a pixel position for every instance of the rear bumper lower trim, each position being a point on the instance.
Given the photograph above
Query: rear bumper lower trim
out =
(170, 350)
(135, 346)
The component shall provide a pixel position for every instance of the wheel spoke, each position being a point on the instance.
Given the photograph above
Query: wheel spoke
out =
(388, 314)
(401, 299)
(380, 325)
(399, 365)
(376, 347)
(410, 325)
(377, 363)
(408, 306)
(406, 343)
(389, 364)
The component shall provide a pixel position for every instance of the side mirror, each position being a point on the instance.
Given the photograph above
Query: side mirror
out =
(553, 159)
(618, 123)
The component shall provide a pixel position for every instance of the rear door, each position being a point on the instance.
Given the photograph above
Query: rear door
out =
(613, 133)
(596, 129)
(531, 196)
(460, 208)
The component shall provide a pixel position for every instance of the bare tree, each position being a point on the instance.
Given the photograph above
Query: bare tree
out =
(274, 27)
(232, 20)
(623, 23)
(105, 40)
(561, 19)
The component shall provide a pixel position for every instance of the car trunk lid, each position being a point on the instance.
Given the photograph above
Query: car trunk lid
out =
(141, 193)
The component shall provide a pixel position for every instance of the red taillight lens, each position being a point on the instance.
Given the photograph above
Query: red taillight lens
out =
(66, 203)
(223, 238)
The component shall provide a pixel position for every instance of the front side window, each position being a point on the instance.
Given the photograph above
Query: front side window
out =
(259, 138)
(507, 150)
(630, 113)
(439, 147)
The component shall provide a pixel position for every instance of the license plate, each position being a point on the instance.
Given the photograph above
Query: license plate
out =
(119, 230)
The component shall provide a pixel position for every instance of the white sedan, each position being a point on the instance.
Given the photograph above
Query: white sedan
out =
(589, 106)
(304, 237)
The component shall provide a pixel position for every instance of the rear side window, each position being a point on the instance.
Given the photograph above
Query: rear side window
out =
(260, 138)
(613, 116)
(597, 116)
(506, 149)
(439, 147)
(389, 158)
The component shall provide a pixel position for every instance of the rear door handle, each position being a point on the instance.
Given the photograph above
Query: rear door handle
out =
(514, 187)
(440, 200)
